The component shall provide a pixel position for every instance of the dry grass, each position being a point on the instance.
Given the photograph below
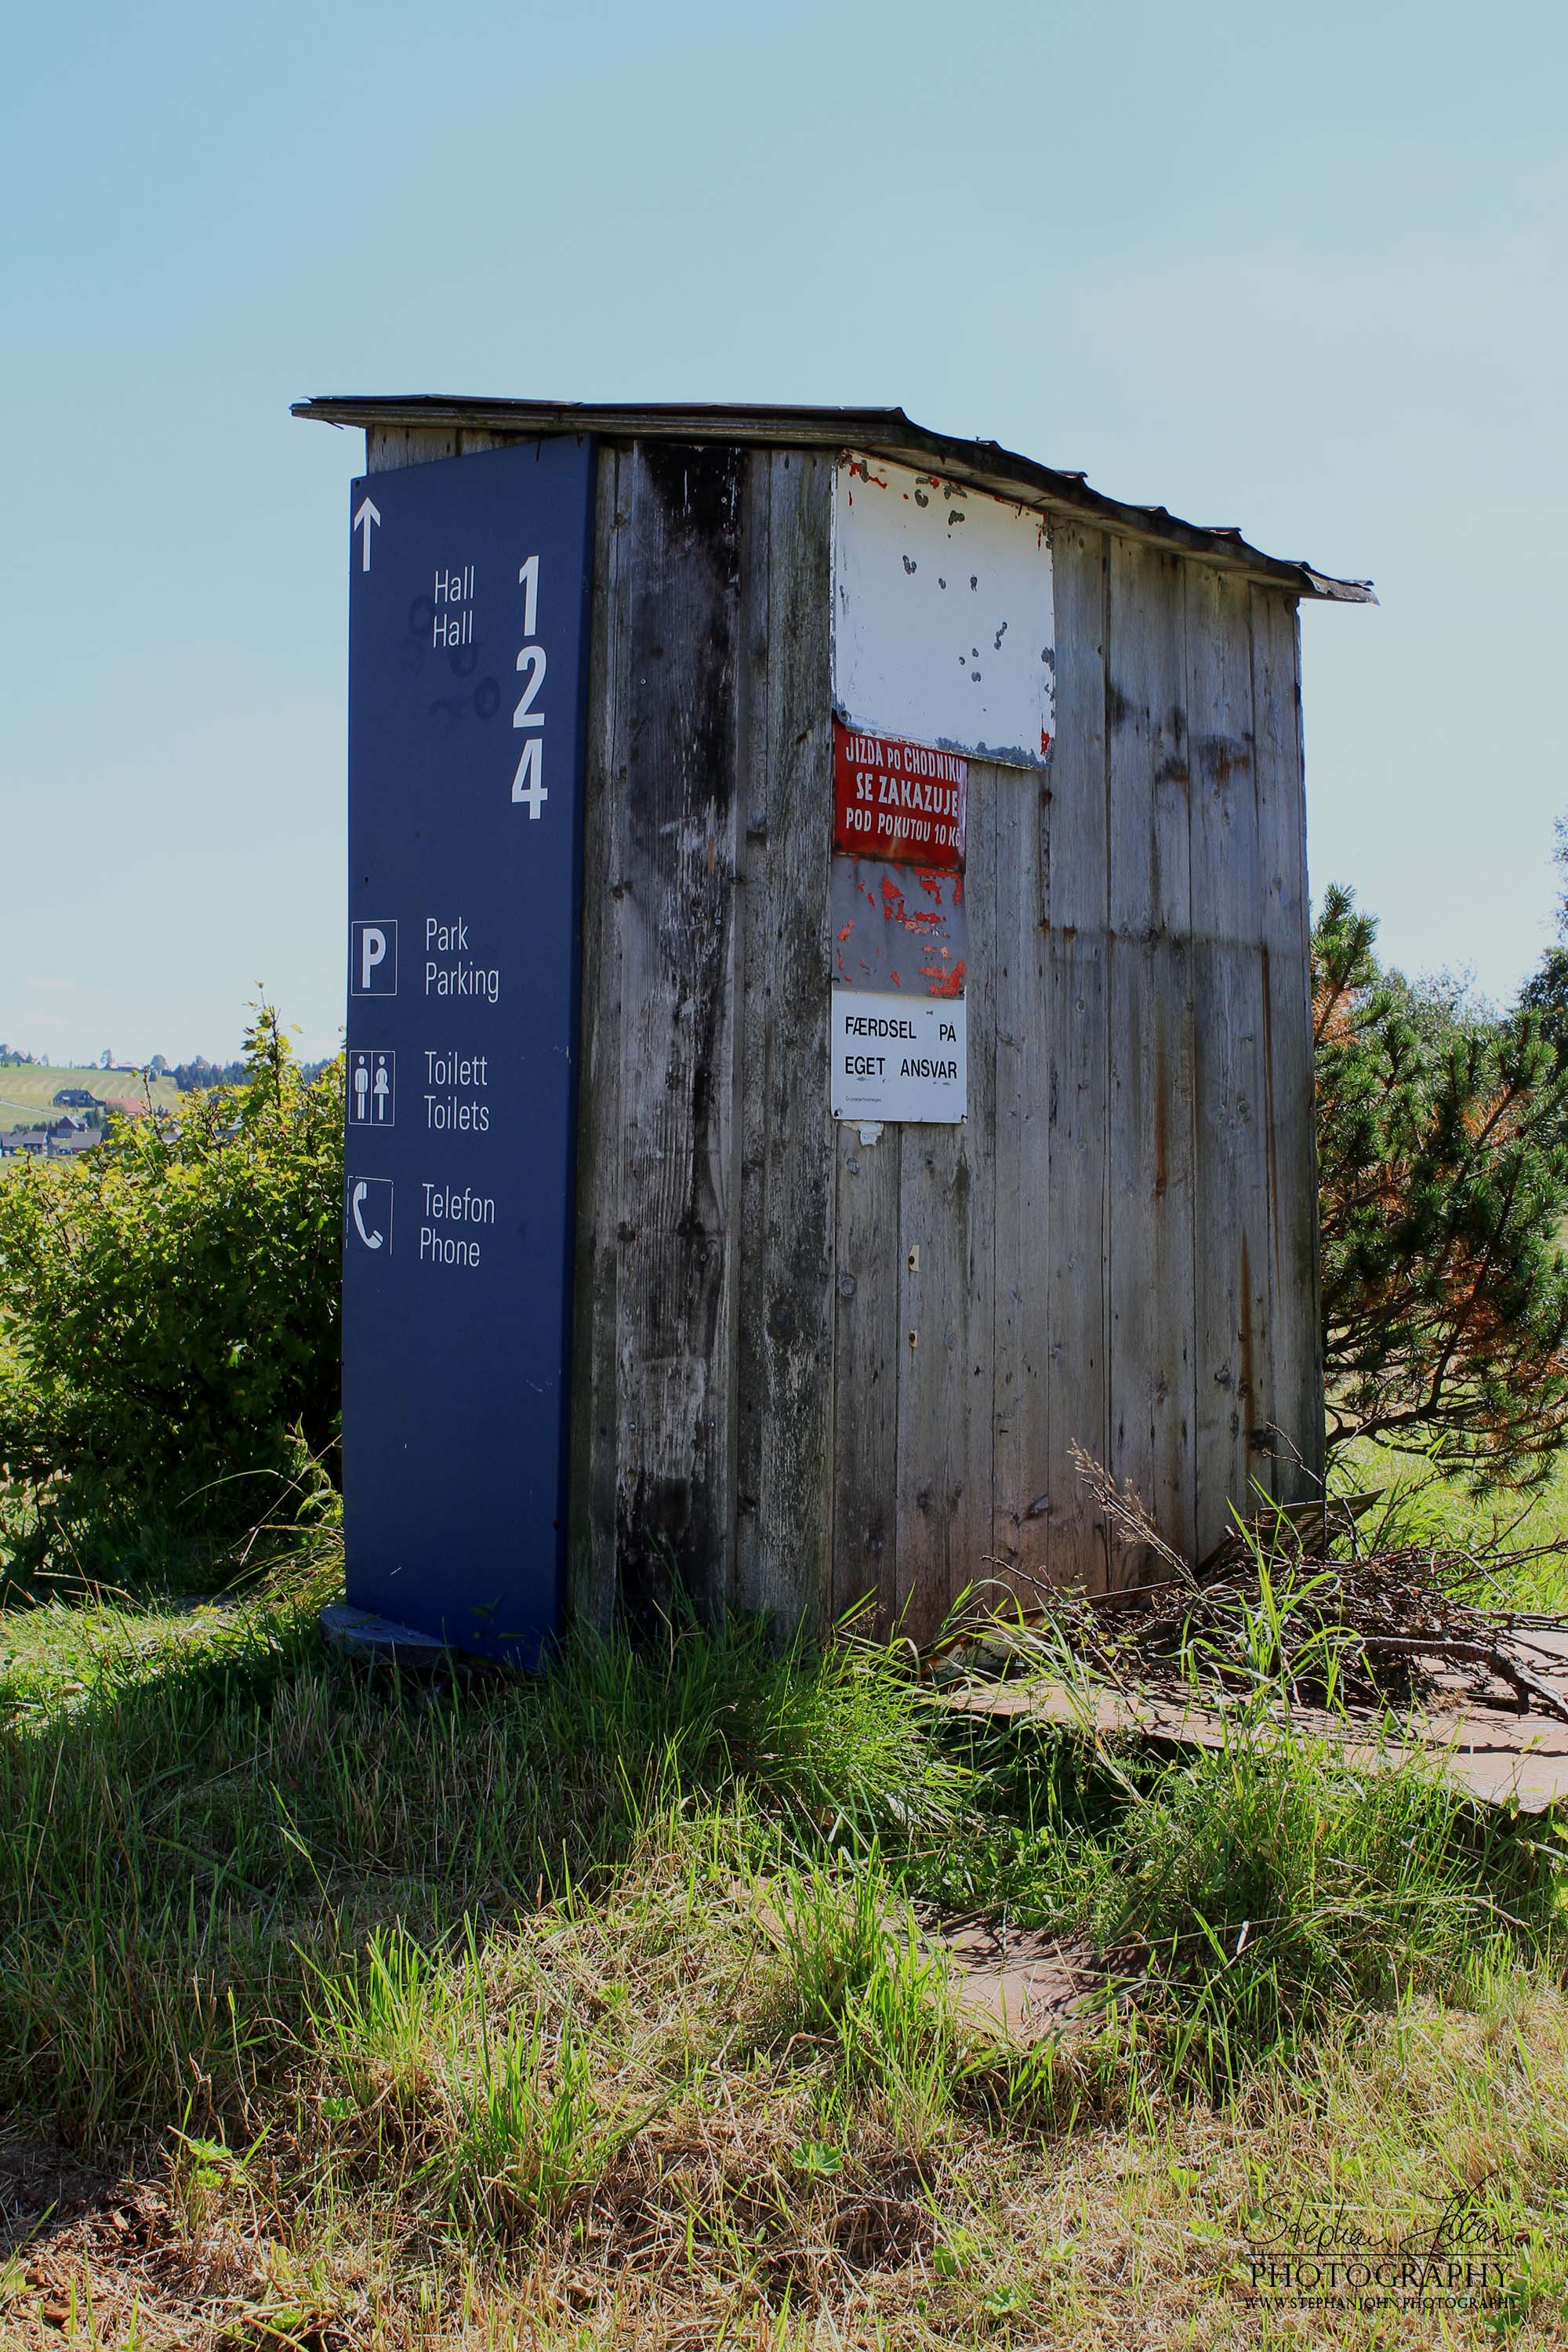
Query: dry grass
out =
(752, 2179)
(341, 2016)
(761, 2209)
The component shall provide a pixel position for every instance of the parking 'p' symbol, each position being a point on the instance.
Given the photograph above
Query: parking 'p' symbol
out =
(373, 959)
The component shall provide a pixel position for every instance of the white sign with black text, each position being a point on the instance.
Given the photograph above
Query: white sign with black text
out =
(898, 1057)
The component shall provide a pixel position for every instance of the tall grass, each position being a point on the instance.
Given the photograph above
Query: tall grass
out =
(495, 2116)
(1261, 1888)
(479, 1963)
(1254, 1889)
(187, 1832)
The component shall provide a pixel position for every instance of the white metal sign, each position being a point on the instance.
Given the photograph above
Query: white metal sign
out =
(944, 627)
(898, 1057)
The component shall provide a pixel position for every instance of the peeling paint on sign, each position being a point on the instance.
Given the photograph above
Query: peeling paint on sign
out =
(897, 800)
(944, 625)
(898, 928)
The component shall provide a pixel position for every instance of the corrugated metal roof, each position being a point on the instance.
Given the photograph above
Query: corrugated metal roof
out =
(881, 432)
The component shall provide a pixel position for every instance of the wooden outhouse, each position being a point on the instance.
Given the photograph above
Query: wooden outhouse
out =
(821, 1349)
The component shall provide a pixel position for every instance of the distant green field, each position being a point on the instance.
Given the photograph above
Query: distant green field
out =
(27, 1095)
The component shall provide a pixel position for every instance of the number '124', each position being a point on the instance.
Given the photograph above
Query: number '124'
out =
(528, 784)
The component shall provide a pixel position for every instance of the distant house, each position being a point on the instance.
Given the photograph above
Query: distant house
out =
(74, 1098)
(23, 1138)
(72, 1145)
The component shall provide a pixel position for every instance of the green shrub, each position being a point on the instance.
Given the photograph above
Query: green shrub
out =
(169, 1303)
(1443, 1187)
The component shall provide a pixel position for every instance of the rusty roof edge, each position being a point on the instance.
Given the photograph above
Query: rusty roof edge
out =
(881, 432)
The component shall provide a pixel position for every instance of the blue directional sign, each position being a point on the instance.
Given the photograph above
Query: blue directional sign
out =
(468, 663)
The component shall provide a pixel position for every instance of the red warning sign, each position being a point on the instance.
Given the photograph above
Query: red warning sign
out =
(897, 800)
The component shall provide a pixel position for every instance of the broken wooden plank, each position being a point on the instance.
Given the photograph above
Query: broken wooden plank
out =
(1491, 1752)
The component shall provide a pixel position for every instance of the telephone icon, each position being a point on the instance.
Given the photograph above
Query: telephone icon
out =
(370, 1207)
(371, 1241)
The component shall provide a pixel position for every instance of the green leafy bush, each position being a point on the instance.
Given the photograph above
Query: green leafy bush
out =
(169, 1303)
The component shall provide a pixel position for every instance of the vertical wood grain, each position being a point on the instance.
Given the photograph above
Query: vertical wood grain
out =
(1290, 1118)
(1077, 1016)
(593, 1580)
(787, 1313)
(1115, 1248)
(677, 723)
(866, 1368)
(1020, 1394)
(946, 1236)
(389, 445)
(973, 1560)
(756, 916)
(1152, 1401)
(1231, 1255)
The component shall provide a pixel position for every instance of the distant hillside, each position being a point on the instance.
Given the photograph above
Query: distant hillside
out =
(27, 1094)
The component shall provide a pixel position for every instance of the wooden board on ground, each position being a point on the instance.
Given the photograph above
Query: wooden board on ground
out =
(1023, 1984)
(1492, 1751)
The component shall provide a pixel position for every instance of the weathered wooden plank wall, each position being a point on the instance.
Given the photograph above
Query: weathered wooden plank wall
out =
(702, 1413)
(671, 868)
(1076, 887)
(787, 1270)
(814, 1366)
(1152, 1423)
(1138, 1158)
(1289, 1126)
(1020, 1525)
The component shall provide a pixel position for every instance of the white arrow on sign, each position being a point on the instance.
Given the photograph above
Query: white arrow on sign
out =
(362, 520)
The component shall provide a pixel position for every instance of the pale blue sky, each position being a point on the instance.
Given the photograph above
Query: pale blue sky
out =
(1298, 271)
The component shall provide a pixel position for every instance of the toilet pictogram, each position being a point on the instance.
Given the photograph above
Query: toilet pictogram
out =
(372, 1087)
